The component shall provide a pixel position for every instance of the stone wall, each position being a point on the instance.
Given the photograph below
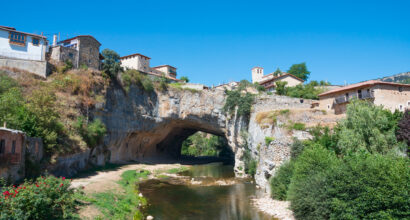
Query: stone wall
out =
(37, 67)
(89, 52)
(62, 54)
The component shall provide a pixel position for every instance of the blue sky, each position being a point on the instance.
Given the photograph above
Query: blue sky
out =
(217, 41)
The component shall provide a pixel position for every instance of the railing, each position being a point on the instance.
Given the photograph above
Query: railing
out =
(345, 99)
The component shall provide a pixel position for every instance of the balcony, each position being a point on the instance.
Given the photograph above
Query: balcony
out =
(344, 99)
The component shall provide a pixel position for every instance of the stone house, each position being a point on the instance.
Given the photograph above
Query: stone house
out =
(142, 63)
(14, 146)
(391, 95)
(268, 81)
(80, 50)
(22, 50)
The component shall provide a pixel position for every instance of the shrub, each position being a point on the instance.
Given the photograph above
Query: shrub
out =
(92, 133)
(296, 148)
(269, 93)
(279, 183)
(268, 140)
(298, 126)
(367, 127)
(68, 65)
(365, 186)
(184, 78)
(403, 131)
(281, 87)
(46, 198)
(111, 64)
(236, 98)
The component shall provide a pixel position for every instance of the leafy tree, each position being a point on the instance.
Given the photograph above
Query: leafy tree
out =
(300, 70)
(202, 144)
(279, 183)
(236, 98)
(403, 131)
(307, 91)
(281, 87)
(367, 127)
(259, 87)
(92, 133)
(277, 72)
(111, 63)
(324, 83)
(184, 78)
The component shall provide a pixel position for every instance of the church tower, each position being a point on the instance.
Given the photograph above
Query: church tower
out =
(257, 74)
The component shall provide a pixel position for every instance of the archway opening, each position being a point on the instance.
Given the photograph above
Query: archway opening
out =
(202, 146)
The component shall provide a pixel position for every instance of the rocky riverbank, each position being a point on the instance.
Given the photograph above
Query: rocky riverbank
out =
(275, 208)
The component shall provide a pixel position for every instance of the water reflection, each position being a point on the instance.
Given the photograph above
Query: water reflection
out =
(184, 201)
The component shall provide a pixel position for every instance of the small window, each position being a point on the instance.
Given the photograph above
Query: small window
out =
(36, 41)
(400, 107)
(13, 147)
(17, 38)
(89, 61)
(328, 106)
(400, 89)
(2, 146)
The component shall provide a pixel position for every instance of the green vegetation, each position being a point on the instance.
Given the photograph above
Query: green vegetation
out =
(268, 140)
(45, 198)
(184, 78)
(203, 144)
(92, 133)
(280, 183)
(134, 77)
(281, 87)
(36, 115)
(297, 126)
(403, 130)
(299, 70)
(250, 163)
(68, 65)
(306, 91)
(115, 205)
(111, 64)
(348, 173)
(277, 72)
(241, 102)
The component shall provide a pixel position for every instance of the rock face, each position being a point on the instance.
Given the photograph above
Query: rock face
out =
(148, 126)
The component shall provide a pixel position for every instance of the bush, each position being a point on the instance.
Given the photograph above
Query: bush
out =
(202, 144)
(307, 170)
(298, 126)
(268, 140)
(403, 131)
(184, 79)
(296, 148)
(367, 127)
(279, 183)
(236, 98)
(92, 133)
(68, 65)
(363, 187)
(46, 198)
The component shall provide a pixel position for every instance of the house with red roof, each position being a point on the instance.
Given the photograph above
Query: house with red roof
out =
(393, 96)
(141, 63)
(269, 81)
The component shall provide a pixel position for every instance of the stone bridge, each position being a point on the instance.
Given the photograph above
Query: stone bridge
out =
(150, 125)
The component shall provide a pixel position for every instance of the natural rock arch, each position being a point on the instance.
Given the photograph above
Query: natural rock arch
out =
(143, 126)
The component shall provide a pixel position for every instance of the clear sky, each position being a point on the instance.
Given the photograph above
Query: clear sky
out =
(217, 41)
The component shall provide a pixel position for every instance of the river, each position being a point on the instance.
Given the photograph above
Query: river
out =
(203, 192)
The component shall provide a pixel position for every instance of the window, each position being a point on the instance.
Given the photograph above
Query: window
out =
(400, 107)
(400, 89)
(408, 103)
(36, 41)
(13, 147)
(359, 92)
(71, 55)
(17, 38)
(328, 106)
(2, 146)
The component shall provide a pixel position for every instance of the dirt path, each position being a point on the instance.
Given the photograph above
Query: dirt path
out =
(103, 181)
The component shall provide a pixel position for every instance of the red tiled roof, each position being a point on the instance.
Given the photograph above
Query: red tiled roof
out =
(281, 76)
(69, 39)
(14, 30)
(362, 84)
(163, 66)
(133, 55)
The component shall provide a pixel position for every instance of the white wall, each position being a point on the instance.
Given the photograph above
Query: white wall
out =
(28, 52)
(136, 62)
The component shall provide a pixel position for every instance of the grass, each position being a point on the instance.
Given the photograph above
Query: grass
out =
(270, 117)
(298, 126)
(115, 205)
(178, 86)
(268, 140)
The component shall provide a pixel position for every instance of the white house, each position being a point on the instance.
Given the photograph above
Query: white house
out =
(22, 45)
(141, 63)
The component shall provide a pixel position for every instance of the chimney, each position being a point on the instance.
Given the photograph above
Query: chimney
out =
(54, 40)
(5, 125)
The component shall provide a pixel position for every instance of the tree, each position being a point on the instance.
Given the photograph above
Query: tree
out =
(403, 131)
(92, 133)
(277, 72)
(184, 78)
(281, 87)
(300, 70)
(111, 63)
(367, 127)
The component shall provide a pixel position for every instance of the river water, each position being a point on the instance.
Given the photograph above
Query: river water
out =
(203, 192)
